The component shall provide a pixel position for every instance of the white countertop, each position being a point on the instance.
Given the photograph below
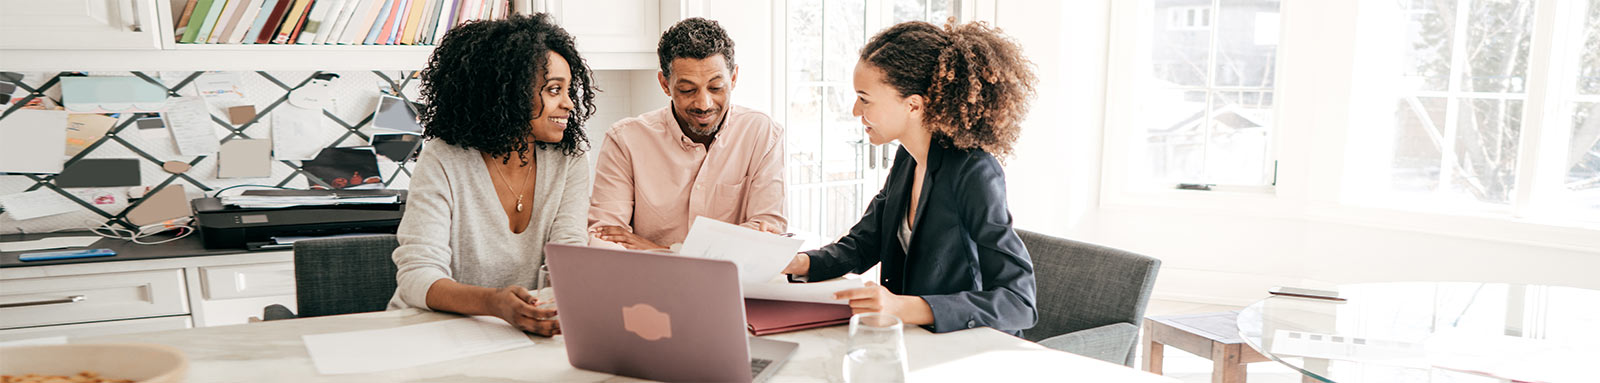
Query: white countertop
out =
(273, 352)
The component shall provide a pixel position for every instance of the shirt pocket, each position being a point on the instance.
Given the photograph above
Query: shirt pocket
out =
(727, 202)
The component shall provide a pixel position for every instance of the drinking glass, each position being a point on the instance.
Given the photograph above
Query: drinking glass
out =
(543, 289)
(877, 349)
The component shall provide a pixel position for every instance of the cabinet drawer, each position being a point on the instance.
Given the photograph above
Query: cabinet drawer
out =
(248, 281)
(92, 297)
(98, 328)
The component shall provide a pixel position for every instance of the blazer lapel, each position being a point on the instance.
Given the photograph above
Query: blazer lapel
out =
(935, 158)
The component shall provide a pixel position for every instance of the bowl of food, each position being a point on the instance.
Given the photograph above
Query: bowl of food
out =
(98, 363)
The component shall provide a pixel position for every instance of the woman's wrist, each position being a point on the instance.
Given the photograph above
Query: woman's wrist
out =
(914, 310)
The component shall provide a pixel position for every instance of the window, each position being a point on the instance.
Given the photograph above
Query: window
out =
(1469, 92)
(1205, 105)
(833, 170)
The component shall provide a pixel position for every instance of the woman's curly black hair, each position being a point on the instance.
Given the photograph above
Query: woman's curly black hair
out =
(481, 86)
(977, 82)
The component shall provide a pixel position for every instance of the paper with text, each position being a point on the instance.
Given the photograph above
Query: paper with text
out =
(759, 255)
(780, 289)
(190, 121)
(410, 346)
(297, 133)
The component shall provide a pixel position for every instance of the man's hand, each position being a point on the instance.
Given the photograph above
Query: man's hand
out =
(621, 236)
(877, 299)
(519, 308)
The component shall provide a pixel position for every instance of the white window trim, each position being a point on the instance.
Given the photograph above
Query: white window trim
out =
(1313, 101)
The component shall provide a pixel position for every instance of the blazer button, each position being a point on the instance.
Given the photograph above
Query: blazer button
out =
(972, 323)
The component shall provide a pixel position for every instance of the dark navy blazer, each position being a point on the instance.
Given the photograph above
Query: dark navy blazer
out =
(965, 259)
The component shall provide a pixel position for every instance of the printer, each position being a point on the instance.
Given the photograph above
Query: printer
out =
(253, 226)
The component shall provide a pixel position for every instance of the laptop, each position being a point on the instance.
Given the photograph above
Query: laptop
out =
(658, 317)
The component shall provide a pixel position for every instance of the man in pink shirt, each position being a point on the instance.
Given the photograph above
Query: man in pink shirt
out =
(700, 156)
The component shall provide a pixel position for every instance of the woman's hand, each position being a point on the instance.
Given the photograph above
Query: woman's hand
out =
(799, 266)
(621, 236)
(877, 299)
(516, 306)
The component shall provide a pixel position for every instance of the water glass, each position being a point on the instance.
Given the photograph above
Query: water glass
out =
(877, 349)
(542, 289)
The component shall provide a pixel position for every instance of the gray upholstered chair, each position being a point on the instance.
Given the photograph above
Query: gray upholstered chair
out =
(335, 276)
(1091, 298)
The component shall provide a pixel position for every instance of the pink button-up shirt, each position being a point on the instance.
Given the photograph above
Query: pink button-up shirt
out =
(652, 179)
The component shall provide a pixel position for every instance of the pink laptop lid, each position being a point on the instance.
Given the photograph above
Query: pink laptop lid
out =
(650, 315)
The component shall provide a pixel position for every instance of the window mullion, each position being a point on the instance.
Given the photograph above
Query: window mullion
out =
(1458, 61)
(1211, 82)
(1551, 68)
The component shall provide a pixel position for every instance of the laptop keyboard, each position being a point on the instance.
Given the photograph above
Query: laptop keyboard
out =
(757, 365)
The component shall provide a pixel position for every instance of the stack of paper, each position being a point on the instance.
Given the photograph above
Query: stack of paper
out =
(761, 258)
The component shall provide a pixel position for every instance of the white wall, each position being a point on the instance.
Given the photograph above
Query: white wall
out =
(1227, 252)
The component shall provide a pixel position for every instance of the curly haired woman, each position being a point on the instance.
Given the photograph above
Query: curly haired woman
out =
(954, 98)
(502, 173)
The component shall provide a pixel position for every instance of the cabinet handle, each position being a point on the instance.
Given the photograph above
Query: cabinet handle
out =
(134, 5)
(71, 299)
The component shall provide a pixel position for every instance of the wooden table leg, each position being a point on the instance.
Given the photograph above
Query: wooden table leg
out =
(1226, 366)
(1152, 351)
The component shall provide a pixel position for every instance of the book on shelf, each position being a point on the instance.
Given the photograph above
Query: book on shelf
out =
(195, 19)
(325, 23)
(221, 24)
(335, 23)
(292, 21)
(397, 18)
(247, 19)
(183, 20)
(274, 19)
(314, 22)
(365, 12)
(260, 21)
(377, 24)
(210, 21)
(408, 34)
(442, 24)
(234, 12)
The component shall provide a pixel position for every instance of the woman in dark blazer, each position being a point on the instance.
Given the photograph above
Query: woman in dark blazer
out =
(953, 97)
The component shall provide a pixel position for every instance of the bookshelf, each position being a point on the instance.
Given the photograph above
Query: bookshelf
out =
(138, 35)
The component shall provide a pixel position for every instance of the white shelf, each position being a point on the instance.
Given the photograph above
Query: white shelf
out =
(267, 57)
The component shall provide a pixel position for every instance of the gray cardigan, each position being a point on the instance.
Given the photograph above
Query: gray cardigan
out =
(454, 226)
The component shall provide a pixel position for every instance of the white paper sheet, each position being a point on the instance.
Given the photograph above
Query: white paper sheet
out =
(49, 243)
(35, 204)
(192, 129)
(410, 346)
(297, 133)
(223, 87)
(780, 289)
(759, 255)
(32, 141)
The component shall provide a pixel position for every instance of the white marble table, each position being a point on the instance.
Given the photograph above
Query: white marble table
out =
(273, 352)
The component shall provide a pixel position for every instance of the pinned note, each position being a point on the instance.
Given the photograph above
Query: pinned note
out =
(35, 204)
(189, 119)
(111, 94)
(84, 129)
(242, 158)
(32, 141)
(297, 133)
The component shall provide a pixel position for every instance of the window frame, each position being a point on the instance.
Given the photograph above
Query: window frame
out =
(1316, 100)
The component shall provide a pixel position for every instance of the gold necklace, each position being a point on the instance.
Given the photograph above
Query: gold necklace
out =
(508, 184)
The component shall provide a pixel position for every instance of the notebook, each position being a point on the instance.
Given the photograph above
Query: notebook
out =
(766, 317)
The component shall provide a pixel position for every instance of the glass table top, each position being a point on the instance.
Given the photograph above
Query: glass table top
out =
(1433, 332)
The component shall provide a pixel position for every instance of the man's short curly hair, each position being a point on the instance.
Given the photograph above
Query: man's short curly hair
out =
(694, 38)
(481, 86)
(976, 80)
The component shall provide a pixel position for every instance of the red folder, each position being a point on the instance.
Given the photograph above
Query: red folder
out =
(772, 317)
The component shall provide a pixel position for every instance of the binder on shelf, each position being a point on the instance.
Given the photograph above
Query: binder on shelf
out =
(378, 24)
(196, 18)
(292, 21)
(210, 21)
(275, 18)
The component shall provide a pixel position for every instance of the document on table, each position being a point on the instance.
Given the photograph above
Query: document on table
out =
(779, 289)
(49, 243)
(759, 255)
(192, 128)
(409, 346)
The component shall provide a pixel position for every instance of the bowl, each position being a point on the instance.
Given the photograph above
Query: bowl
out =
(148, 363)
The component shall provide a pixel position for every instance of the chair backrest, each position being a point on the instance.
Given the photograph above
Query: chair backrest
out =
(347, 275)
(1083, 285)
